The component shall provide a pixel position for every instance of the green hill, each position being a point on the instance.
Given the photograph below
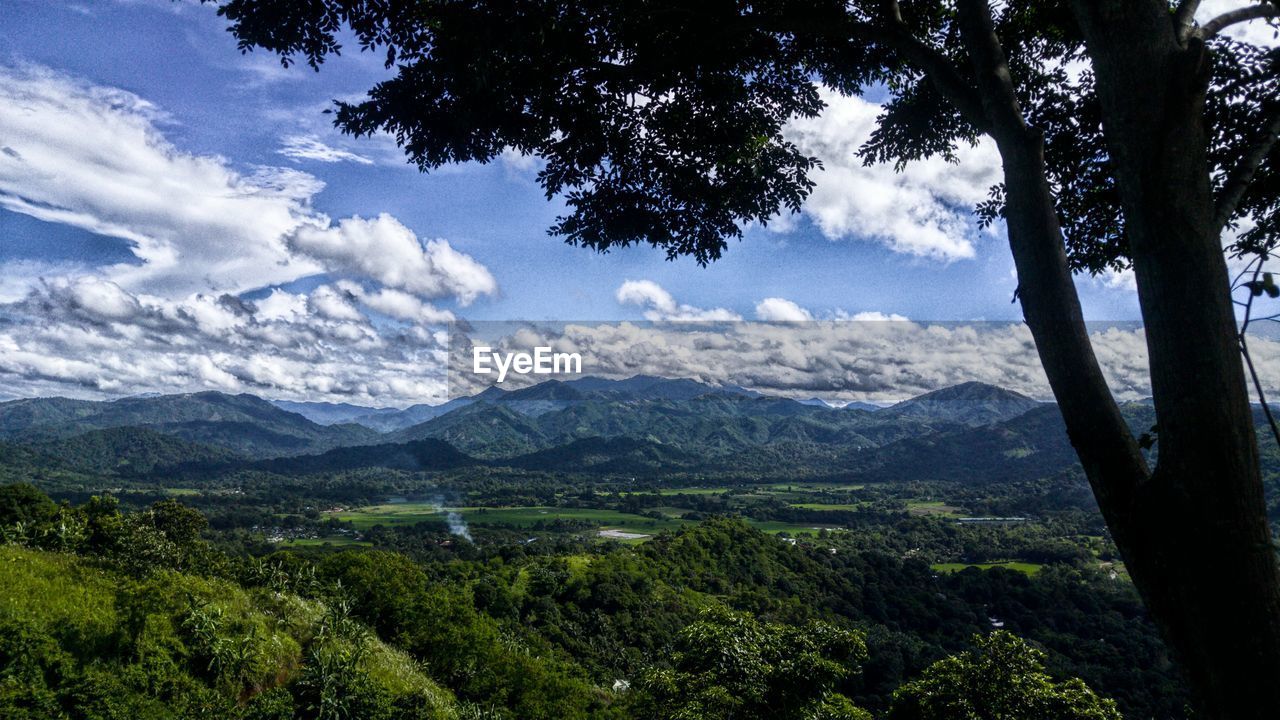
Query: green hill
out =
(75, 635)
(241, 423)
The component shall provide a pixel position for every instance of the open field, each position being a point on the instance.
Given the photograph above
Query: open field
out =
(409, 513)
(332, 541)
(813, 487)
(933, 507)
(774, 527)
(1022, 567)
(830, 506)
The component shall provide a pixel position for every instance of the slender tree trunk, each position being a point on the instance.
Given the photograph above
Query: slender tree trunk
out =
(1194, 533)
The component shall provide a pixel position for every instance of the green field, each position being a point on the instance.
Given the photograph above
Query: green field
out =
(1022, 567)
(813, 487)
(932, 507)
(680, 491)
(830, 506)
(409, 513)
(333, 541)
(776, 526)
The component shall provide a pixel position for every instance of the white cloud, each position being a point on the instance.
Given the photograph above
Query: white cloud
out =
(204, 235)
(309, 147)
(877, 316)
(925, 210)
(385, 250)
(328, 302)
(838, 360)
(781, 310)
(88, 336)
(397, 304)
(94, 158)
(660, 305)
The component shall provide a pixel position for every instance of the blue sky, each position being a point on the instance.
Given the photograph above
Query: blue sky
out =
(167, 80)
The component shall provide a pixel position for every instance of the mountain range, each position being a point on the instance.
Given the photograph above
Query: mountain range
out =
(643, 425)
(588, 424)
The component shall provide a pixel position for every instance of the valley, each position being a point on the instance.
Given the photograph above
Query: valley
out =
(592, 519)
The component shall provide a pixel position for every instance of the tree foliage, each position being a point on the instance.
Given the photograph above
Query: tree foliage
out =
(729, 665)
(1001, 678)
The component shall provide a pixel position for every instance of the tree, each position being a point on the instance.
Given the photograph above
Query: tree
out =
(1130, 137)
(729, 665)
(1002, 678)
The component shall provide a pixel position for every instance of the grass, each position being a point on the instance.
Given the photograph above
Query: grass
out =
(932, 507)
(812, 487)
(334, 541)
(412, 513)
(774, 527)
(680, 491)
(830, 506)
(669, 510)
(1022, 567)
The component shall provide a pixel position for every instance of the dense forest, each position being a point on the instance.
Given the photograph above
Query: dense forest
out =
(115, 614)
(565, 552)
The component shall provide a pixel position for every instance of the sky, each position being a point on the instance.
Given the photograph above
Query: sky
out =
(178, 216)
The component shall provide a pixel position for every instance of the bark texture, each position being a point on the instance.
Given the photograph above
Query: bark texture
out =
(1193, 532)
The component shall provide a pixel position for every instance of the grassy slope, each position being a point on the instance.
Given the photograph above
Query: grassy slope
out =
(130, 644)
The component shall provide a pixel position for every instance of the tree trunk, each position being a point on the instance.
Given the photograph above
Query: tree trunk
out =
(1201, 551)
(1193, 533)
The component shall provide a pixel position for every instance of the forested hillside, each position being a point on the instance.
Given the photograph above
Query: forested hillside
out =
(642, 549)
(111, 614)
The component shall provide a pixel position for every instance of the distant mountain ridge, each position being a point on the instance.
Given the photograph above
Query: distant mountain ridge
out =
(638, 425)
(970, 403)
(244, 424)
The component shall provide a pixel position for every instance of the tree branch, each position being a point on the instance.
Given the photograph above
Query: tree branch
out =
(937, 67)
(1184, 19)
(1227, 19)
(1248, 358)
(1240, 177)
(995, 84)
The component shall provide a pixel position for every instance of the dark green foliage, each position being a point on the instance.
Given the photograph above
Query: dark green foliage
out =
(24, 504)
(1002, 678)
(662, 122)
(729, 665)
(148, 620)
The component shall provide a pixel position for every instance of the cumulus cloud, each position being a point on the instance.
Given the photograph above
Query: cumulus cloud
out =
(879, 360)
(877, 316)
(781, 310)
(396, 304)
(309, 147)
(204, 237)
(925, 210)
(383, 249)
(94, 158)
(660, 305)
(89, 336)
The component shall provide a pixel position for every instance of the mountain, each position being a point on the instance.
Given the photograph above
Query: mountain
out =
(400, 419)
(859, 405)
(648, 387)
(244, 424)
(481, 429)
(323, 413)
(633, 426)
(413, 456)
(710, 425)
(605, 455)
(130, 451)
(971, 403)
